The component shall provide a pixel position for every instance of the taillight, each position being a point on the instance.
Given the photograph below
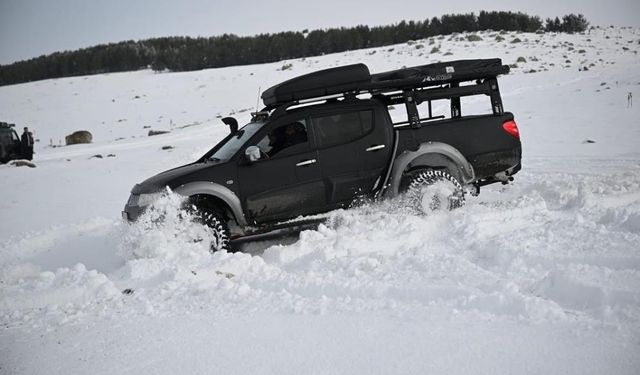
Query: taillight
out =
(511, 128)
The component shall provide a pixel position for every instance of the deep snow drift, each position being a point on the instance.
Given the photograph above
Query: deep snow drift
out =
(540, 276)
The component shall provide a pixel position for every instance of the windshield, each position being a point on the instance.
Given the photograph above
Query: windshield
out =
(233, 144)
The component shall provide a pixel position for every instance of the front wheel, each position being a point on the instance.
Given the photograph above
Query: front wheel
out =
(218, 230)
(434, 190)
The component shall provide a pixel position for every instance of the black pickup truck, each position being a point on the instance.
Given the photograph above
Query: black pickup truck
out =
(326, 138)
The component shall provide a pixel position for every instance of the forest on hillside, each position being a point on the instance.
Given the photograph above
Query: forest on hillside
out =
(186, 53)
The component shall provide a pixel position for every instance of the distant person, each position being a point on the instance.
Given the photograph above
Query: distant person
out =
(26, 144)
(629, 100)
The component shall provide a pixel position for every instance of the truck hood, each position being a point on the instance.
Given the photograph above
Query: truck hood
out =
(173, 178)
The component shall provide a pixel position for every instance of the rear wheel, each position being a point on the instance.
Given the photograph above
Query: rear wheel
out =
(433, 190)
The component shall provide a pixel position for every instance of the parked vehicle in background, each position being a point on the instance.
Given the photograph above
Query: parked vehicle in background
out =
(9, 143)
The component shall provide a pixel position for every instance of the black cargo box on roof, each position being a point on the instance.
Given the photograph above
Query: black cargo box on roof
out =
(321, 83)
(443, 72)
(356, 78)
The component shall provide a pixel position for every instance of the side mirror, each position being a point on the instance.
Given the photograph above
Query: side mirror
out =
(252, 153)
(232, 123)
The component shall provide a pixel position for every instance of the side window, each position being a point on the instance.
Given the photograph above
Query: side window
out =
(342, 128)
(284, 137)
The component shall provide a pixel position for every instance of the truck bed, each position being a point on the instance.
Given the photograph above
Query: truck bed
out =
(481, 139)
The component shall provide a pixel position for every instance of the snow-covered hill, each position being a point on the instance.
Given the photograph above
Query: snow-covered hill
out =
(540, 276)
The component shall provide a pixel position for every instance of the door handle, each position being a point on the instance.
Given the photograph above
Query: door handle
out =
(374, 148)
(306, 162)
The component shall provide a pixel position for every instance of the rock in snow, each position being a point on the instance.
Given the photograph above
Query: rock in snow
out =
(80, 136)
(22, 163)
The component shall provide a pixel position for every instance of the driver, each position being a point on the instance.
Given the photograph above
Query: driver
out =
(287, 136)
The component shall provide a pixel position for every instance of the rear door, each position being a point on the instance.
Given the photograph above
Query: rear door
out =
(353, 150)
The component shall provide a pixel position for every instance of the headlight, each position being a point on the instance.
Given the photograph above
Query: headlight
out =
(147, 199)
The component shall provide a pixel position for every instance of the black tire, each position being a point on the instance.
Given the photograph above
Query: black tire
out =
(433, 190)
(219, 230)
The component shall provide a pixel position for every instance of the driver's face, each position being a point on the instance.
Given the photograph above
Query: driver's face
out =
(290, 130)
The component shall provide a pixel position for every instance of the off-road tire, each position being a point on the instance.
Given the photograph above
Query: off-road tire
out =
(217, 225)
(419, 183)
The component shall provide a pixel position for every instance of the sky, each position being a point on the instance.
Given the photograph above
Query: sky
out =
(29, 28)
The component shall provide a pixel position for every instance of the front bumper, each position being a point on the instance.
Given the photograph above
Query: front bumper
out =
(132, 212)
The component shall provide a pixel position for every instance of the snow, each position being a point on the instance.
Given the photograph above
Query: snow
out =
(539, 276)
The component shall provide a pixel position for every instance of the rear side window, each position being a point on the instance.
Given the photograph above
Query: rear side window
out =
(342, 128)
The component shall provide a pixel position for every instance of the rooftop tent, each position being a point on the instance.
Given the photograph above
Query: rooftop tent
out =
(356, 78)
(321, 83)
(442, 72)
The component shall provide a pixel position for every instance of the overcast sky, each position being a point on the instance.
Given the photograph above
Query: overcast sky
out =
(29, 28)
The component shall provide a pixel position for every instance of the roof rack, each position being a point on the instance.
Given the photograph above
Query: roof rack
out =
(356, 79)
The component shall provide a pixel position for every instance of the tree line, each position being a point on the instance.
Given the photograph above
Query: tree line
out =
(569, 24)
(186, 53)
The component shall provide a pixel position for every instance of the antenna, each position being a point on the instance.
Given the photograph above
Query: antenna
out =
(259, 116)
(258, 99)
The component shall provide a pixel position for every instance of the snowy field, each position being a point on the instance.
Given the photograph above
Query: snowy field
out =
(541, 276)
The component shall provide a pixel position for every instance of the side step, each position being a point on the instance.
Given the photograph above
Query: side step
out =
(278, 230)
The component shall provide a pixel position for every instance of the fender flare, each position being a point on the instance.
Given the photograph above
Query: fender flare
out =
(432, 154)
(218, 191)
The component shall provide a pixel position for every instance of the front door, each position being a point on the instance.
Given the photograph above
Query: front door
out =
(286, 182)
